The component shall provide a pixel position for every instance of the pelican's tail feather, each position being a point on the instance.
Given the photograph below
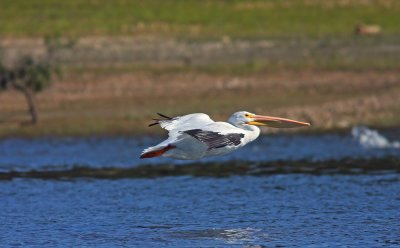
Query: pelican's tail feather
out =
(156, 151)
(159, 121)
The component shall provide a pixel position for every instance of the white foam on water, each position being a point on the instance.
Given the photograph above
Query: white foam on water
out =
(369, 138)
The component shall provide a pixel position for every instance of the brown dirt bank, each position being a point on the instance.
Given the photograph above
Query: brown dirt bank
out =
(120, 102)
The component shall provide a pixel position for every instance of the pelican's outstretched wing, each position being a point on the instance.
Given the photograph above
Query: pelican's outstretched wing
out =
(176, 127)
(215, 140)
(184, 122)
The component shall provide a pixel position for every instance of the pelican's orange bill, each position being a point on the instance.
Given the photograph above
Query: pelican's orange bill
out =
(261, 120)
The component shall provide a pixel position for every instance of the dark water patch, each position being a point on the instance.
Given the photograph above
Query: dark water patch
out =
(223, 169)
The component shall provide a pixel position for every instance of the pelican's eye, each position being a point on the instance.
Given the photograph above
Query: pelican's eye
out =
(247, 115)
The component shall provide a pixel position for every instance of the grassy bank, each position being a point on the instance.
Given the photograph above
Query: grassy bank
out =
(195, 19)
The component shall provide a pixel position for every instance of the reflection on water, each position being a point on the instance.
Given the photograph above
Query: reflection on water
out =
(229, 236)
(62, 153)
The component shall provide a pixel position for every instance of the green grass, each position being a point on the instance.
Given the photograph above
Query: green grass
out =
(195, 19)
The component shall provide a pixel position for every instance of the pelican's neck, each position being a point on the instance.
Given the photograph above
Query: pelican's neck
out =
(252, 131)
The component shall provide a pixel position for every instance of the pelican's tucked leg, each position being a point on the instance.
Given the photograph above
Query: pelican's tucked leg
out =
(157, 153)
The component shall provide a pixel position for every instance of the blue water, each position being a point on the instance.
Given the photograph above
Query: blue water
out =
(273, 211)
(288, 210)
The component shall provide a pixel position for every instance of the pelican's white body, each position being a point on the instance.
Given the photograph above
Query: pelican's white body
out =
(188, 147)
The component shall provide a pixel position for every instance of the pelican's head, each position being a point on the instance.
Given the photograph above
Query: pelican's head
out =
(246, 118)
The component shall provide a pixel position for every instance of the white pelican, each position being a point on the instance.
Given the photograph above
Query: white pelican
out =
(195, 136)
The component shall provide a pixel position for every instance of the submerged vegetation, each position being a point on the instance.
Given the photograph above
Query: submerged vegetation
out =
(221, 169)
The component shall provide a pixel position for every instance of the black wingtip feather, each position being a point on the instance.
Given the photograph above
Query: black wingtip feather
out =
(153, 124)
